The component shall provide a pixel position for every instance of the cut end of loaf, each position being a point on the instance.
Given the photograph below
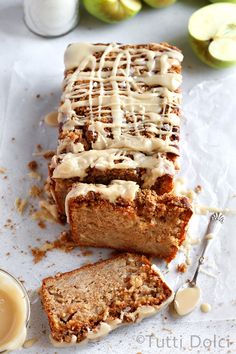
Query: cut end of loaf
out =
(157, 223)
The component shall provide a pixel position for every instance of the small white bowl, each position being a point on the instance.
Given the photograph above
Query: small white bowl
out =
(14, 294)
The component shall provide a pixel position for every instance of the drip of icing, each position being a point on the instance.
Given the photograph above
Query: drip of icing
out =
(51, 119)
(164, 64)
(209, 236)
(171, 81)
(205, 308)
(104, 328)
(110, 88)
(76, 165)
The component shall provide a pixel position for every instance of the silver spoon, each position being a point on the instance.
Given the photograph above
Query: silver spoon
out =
(188, 295)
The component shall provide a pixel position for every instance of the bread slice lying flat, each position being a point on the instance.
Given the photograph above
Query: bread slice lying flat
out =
(87, 303)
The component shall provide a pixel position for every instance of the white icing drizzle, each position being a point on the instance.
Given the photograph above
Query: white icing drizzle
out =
(76, 165)
(105, 327)
(69, 146)
(136, 117)
(117, 188)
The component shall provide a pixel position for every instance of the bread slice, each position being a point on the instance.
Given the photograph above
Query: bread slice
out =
(102, 166)
(125, 217)
(87, 303)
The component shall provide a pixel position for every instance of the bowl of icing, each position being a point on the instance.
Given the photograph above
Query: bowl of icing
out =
(14, 312)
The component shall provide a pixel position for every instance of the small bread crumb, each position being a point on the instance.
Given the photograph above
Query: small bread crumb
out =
(2, 170)
(35, 175)
(182, 267)
(42, 224)
(29, 342)
(51, 119)
(64, 243)
(39, 253)
(47, 154)
(167, 330)
(39, 147)
(35, 191)
(86, 253)
(51, 208)
(20, 205)
(47, 212)
(32, 165)
(198, 189)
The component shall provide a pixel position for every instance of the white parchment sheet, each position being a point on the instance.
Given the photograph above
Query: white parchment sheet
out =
(208, 149)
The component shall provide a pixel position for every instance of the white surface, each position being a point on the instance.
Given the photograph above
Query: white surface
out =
(31, 65)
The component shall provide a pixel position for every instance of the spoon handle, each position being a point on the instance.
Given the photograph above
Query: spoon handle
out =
(216, 220)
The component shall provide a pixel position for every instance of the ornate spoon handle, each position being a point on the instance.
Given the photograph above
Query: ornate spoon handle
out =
(216, 220)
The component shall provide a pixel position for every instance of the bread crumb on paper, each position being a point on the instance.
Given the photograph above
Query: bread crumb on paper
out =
(39, 147)
(47, 211)
(3, 170)
(64, 243)
(29, 342)
(86, 253)
(198, 189)
(35, 175)
(9, 225)
(181, 268)
(33, 165)
(40, 253)
(35, 191)
(47, 154)
(167, 330)
(42, 225)
(20, 205)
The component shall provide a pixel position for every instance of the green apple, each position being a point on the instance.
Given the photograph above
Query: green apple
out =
(233, 1)
(113, 11)
(212, 31)
(159, 3)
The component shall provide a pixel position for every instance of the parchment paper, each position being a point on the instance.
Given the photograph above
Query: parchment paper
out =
(208, 149)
